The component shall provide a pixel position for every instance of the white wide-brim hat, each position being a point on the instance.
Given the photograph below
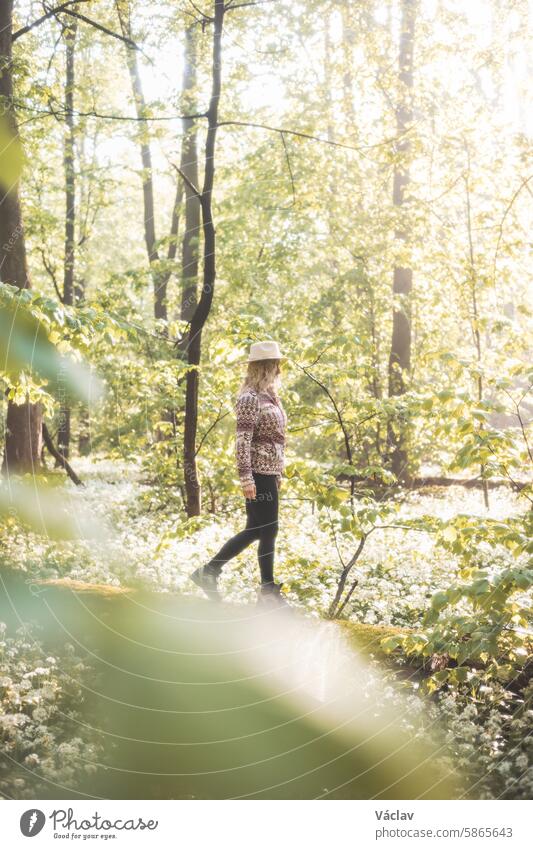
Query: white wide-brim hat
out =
(264, 351)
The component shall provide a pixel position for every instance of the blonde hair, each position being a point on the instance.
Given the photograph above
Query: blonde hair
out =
(262, 375)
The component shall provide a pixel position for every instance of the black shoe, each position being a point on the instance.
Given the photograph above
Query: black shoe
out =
(270, 594)
(207, 580)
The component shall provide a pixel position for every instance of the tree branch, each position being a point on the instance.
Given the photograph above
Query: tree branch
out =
(291, 177)
(45, 17)
(333, 608)
(346, 598)
(211, 427)
(59, 457)
(289, 166)
(204, 17)
(508, 208)
(311, 137)
(92, 113)
(337, 413)
(231, 6)
(102, 28)
(194, 189)
(51, 273)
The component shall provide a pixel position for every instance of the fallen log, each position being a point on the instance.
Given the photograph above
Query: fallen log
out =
(436, 481)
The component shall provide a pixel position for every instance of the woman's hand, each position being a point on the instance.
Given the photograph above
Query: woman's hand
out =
(249, 490)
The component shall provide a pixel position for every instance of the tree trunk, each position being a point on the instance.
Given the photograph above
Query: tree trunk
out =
(189, 167)
(23, 443)
(191, 235)
(159, 282)
(169, 415)
(63, 433)
(201, 313)
(68, 164)
(84, 433)
(400, 353)
(474, 310)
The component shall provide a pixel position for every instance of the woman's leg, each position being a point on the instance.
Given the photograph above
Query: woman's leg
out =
(266, 522)
(240, 541)
(261, 524)
(231, 549)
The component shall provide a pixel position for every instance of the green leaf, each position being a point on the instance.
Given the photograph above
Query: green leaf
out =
(439, 601)
(391, 643)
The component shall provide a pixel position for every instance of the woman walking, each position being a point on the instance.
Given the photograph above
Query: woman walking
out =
(260, 452)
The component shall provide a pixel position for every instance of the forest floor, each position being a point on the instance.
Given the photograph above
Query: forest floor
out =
(133, 545)
(137, 545)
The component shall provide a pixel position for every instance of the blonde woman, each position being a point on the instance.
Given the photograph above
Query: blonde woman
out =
(260, 453)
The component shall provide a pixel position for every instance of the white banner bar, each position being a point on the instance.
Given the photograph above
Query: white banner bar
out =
(309, 824)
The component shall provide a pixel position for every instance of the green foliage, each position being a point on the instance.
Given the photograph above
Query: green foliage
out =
(481, 623)
(41, 343)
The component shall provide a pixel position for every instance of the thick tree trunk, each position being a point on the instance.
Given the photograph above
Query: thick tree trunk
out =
(22, 451)
(400, 353)
(63, 434)
(201, 313)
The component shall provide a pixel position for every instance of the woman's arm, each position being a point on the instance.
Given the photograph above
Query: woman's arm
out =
(247, 411)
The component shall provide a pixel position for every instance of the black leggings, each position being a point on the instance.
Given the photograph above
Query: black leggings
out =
(261, 524)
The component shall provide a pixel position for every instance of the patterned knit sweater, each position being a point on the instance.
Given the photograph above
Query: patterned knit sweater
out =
(260, 439)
